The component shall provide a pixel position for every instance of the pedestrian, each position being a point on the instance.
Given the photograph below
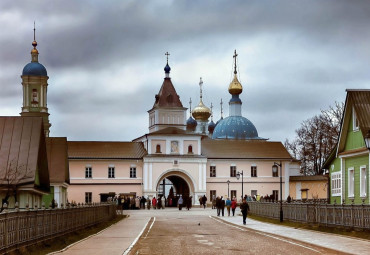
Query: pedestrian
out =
(132, 203)
(204, 200)
(154, 203)
(137, 203)
(170, 202)
(228, 204)
(244, 207)
(218, 205)
(180, 202)
(222, 205)
(148, 203)
(233, 206)
(163, 202)
(200, 202)
(189, 202)
(214, 200)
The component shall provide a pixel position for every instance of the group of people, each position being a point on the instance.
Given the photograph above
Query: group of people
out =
(186, 201)
(221, 203)
(155, 203)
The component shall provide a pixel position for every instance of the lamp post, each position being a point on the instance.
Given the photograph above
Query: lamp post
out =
(275, 170)
(228, 184)
(237, 177)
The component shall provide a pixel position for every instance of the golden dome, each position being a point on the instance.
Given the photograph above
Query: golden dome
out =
(201, 112)
(235, 88)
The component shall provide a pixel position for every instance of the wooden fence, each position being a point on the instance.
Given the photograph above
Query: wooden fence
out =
(19, 228)
(348, 216)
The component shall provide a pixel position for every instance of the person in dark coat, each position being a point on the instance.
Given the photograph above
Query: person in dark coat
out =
(180, 202)
(222, 204)
(189, 202)
(204, 201)
(218, 205)
(244, 207)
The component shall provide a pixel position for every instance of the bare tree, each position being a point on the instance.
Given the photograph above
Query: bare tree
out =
(13, 176)
(316, 138)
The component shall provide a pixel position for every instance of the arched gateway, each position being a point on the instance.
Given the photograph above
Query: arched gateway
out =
(174, 183)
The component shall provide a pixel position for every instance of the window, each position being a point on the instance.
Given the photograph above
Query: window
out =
(275, 195)
(35, 99)
(88, 197)
(111, 172)
(212, 171)
(212, 195)
(336, 184)
(253, 171)
(363, 181)
(158, 148)
(351, 182)
(253, 193)
(355, 120)
(133, 172)
(232, 171)
(233, 194)
(190, 149)
(88, 172)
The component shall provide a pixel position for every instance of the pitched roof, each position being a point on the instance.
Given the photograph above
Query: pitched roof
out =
(57, 152)
(106, 150)
(309, 178)
(361, 102)
(359, 99)
(244, 149)
(23, 152)
(167, 96)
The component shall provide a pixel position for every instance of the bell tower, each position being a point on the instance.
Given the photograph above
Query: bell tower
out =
(35, 83)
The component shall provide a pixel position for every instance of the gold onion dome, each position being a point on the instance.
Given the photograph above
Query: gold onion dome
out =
(235, 88)
(201, 112)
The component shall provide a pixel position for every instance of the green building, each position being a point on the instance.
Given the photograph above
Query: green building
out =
(348, 163)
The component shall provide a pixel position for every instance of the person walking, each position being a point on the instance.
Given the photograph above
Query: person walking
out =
(148, 203)
(222, 205)
(233, 206)
(218, 205)
(228, 205)
(204, 201)
(244, 207)
(163, 201)
(154, 203)
(137, 203)
(180, 202)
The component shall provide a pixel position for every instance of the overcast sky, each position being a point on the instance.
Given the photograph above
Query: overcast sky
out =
(105, 59)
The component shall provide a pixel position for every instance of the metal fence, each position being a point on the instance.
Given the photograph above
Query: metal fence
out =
(348, 216)
(19, 228)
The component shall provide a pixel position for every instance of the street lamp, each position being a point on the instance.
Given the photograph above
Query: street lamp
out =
(275, 170)
(237, 177)
(228, 184)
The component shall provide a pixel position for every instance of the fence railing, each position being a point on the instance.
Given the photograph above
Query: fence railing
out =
(349, 216)
(20, 228)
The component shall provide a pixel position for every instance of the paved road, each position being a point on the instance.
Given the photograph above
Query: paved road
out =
(182, 233)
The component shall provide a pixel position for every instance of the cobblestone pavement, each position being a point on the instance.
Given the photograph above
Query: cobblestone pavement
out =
(200, 231)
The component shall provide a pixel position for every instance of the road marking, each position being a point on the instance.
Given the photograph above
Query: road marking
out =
(264, 234)
(149, 228)
(137, 238)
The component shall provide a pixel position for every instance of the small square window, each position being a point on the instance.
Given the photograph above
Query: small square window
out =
(111, 172)
(88, 172)
(132, 172)
(88, 197)
(212, 171)
(253, 171)
(232, 171)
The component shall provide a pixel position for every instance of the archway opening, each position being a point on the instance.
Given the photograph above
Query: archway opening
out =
(172, 187)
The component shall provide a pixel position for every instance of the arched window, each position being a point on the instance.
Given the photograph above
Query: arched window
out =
(158, 148)
(190, 149)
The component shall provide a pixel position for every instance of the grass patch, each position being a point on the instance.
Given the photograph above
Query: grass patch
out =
(364, 234)
(61, 242)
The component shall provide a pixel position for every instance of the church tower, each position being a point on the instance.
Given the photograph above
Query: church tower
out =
(167, 110)
(35, 83)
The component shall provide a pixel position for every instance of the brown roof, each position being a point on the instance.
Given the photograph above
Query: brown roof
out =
(244, 149)
(23, 152)
(57, 152)
(106, 150)
(173, 131)
(167, 96)
(309, 178)
(360, 99)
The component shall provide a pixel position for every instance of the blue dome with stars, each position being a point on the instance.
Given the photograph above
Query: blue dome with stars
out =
(235, 127)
